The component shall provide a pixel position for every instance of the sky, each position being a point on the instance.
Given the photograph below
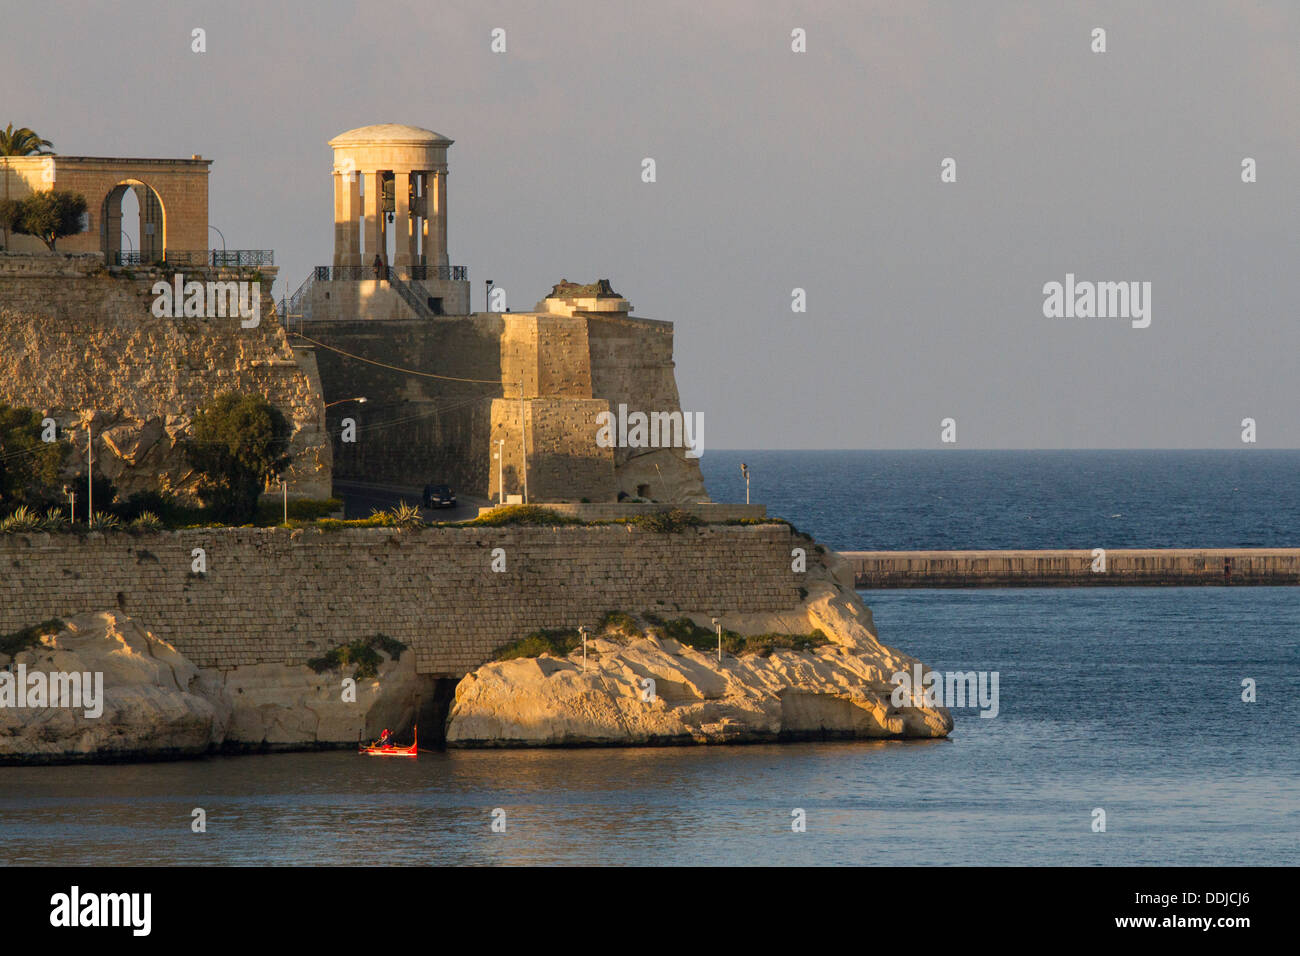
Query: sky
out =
(778, 170)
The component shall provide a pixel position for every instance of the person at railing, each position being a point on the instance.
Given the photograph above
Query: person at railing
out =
(378, 266)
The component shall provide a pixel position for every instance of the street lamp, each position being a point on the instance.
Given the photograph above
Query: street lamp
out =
(487, 295)
(360, 400)
(223, 243)
(500, 455)
(582, 629)
(744, 470)
(717, 625)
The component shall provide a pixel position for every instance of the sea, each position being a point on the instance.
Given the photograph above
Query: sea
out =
(1121, 737)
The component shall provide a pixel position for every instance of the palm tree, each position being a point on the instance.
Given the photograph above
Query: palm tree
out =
(23, 142)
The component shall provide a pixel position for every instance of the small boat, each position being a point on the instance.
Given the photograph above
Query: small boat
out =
(388, 750)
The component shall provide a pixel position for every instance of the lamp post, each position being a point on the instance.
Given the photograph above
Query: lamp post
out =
(744, 470)
(500, 457)
(717, 626)
(360, 400)
(523, 438)
(90, 472)
(223, 243)
(487, 295)
(582, 629)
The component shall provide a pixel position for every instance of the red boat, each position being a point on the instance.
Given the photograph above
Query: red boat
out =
(388, 750)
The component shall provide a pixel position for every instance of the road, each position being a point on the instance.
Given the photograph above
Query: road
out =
(360, 498)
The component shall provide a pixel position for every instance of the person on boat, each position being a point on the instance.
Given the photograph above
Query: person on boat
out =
(386, 738)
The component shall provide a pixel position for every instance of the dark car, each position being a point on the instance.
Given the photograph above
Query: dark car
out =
(439, 496)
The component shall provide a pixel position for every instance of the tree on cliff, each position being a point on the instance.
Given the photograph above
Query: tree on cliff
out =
(29, 465)
(49, 215)
(23, 142)
(236, 443)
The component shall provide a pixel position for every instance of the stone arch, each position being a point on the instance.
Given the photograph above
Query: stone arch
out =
(153, 222)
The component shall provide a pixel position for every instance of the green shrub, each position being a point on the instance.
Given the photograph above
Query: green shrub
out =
(560, 643)
(154, 502)
(104, 521)
(406, 516)
(685, 631)
(11, 644)
(619, 624)
(55, 520)
(236, 441)
(22, 521)
(300, 509)
(363, 653)
(147, 521)
(521, 514)
(666, 522)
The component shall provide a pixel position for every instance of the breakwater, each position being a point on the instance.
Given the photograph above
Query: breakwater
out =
(1075, 568)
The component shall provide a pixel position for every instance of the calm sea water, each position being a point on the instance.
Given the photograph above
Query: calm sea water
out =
(905, 500)
(1124, 699)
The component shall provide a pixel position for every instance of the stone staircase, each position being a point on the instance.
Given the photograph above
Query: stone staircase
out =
(413, 293)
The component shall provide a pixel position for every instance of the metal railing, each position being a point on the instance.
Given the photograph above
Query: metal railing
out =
(214, 258)
(418, 273)
(445, 273)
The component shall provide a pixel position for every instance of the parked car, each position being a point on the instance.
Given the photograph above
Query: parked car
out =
(439, 496)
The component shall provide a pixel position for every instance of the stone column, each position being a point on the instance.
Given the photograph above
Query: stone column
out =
(353, 255)
(426, 183)
(374, 220)
(437, 253)
(113, 227)
(402, 219)
(413, 234)
(340, 218)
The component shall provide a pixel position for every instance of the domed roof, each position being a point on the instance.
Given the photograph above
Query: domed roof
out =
(394, 133)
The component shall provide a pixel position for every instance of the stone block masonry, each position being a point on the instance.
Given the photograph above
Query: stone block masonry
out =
(278, 596)
(80, 344)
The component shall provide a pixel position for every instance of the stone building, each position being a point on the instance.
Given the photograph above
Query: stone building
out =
(527, 386)
(81, 342)
(172, 195)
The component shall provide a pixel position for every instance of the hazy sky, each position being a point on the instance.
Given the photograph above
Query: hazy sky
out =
(777, 170)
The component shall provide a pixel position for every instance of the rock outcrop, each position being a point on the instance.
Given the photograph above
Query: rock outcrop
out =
(278, 707)
(154, 702)
(840, 689)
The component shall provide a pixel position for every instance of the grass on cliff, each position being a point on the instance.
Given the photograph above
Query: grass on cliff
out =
(619, 624)
(664, 522)
(685, 631)
(363, 653)
(558, 642)
(11, 644)
(519, 514)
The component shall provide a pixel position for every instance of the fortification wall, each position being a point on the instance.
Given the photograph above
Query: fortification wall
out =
(414, 430)
(632, 364)
(275, 596)
(78, 343)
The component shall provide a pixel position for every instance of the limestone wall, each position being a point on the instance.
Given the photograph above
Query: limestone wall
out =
(76, 340)
(274, 596)
(632, 364)
(415, 429)
(181, 185)
(412, 429)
